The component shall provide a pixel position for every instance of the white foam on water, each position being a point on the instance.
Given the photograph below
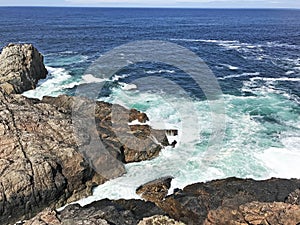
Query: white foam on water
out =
(52, 85)
(89, 78)
(230, 67)
(118, 77)
(243, 153)
(291, 79)
(283, 162)
(128, 87)
(289, 72)
(160, 71)
(277, 44)
(239, 75)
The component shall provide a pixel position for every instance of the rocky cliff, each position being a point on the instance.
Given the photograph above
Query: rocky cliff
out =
(41, 164)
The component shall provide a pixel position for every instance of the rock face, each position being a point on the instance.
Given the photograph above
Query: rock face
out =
(21, 67)
(40, 164)
(121, 212)
(41, 159)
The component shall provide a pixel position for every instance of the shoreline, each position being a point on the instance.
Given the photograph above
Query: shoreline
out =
(54, 172)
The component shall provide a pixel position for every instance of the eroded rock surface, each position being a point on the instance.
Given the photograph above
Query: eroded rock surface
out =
(256, 213)
(21, 67)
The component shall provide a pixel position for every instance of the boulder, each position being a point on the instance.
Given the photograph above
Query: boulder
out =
(21, 67)
(155, 191)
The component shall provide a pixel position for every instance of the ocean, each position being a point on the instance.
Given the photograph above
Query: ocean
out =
(254, 55)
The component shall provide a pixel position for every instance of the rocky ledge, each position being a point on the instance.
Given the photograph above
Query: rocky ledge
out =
(41, 164)
(230, 201)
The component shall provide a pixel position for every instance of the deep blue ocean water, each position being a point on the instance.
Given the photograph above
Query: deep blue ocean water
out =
(254, 53)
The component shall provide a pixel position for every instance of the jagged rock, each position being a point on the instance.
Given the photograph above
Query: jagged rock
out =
(21, 67)
(192, 204)
(121, 212)
(255, 213)
(159, 220)
(127, 143)
(155, 191)
(42, 162)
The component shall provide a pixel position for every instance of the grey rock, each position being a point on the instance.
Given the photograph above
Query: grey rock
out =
(21, 67)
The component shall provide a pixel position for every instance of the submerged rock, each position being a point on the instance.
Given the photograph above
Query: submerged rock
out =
(21, 67)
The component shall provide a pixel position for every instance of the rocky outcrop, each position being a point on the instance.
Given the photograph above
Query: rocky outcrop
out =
(196, 202)
(21, 67)
(230, 201)
(133, 143)
(41, 159)
(121, 212)
(40, 164)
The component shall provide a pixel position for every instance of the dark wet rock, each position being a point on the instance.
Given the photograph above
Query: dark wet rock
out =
(121, 212)
(230, 201)
(192, 204)
(155, 191)
(21, 67)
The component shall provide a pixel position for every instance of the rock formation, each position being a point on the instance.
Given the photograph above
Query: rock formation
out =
(21, 67)
(121, 212)
(41, 162)
(209, 202)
